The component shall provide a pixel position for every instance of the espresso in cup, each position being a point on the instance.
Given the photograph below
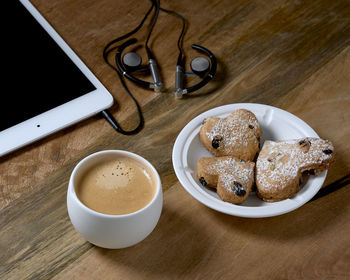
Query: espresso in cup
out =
(116, 187)
(114, 198)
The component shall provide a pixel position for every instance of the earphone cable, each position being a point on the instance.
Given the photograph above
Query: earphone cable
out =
(128, 34)
(106, 51)
(181, 36)
(109, 117)
(155, 18)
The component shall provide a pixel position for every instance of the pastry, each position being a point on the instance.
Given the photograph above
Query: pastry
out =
(233, 178)
(238, 135)
(280, 165)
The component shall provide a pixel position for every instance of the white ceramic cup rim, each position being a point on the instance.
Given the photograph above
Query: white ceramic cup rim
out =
(148, 165)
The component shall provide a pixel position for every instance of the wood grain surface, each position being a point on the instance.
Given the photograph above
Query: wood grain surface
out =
(294, 55)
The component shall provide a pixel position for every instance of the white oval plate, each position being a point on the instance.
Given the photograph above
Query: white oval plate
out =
(276, 124)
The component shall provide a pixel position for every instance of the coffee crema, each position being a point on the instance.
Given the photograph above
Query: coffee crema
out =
(116, 187)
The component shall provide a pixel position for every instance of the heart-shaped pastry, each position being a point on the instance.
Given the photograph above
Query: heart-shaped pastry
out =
(238, 135)
(280, 165)
(233, 178)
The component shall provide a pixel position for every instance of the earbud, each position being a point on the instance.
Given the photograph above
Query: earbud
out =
(201, 67)
(132, 59)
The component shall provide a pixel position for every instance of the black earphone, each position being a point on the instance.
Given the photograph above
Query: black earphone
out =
(201, 67)
(132, 62)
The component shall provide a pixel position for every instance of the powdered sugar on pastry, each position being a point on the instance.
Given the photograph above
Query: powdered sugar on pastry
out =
(237, 135)
(233, 178)
(233, 130)
(280, 165)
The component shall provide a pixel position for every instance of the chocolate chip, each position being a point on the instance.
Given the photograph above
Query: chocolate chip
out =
(328, 151)
(238, 189)
(251, 126)
(202, 181)
(216, 141)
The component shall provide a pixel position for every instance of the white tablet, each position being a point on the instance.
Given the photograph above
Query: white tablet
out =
(48, 86)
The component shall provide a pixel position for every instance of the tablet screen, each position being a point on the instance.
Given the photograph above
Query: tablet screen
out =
(39, 75)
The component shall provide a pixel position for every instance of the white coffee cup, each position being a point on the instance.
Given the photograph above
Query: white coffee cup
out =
(113, 231)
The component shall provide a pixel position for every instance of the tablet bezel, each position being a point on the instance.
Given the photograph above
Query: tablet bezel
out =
(64, 115)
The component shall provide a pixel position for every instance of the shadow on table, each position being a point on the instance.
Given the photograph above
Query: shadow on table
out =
(311, 219)
(166, 251)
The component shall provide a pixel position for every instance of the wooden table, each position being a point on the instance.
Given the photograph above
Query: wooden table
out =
(294, 55)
